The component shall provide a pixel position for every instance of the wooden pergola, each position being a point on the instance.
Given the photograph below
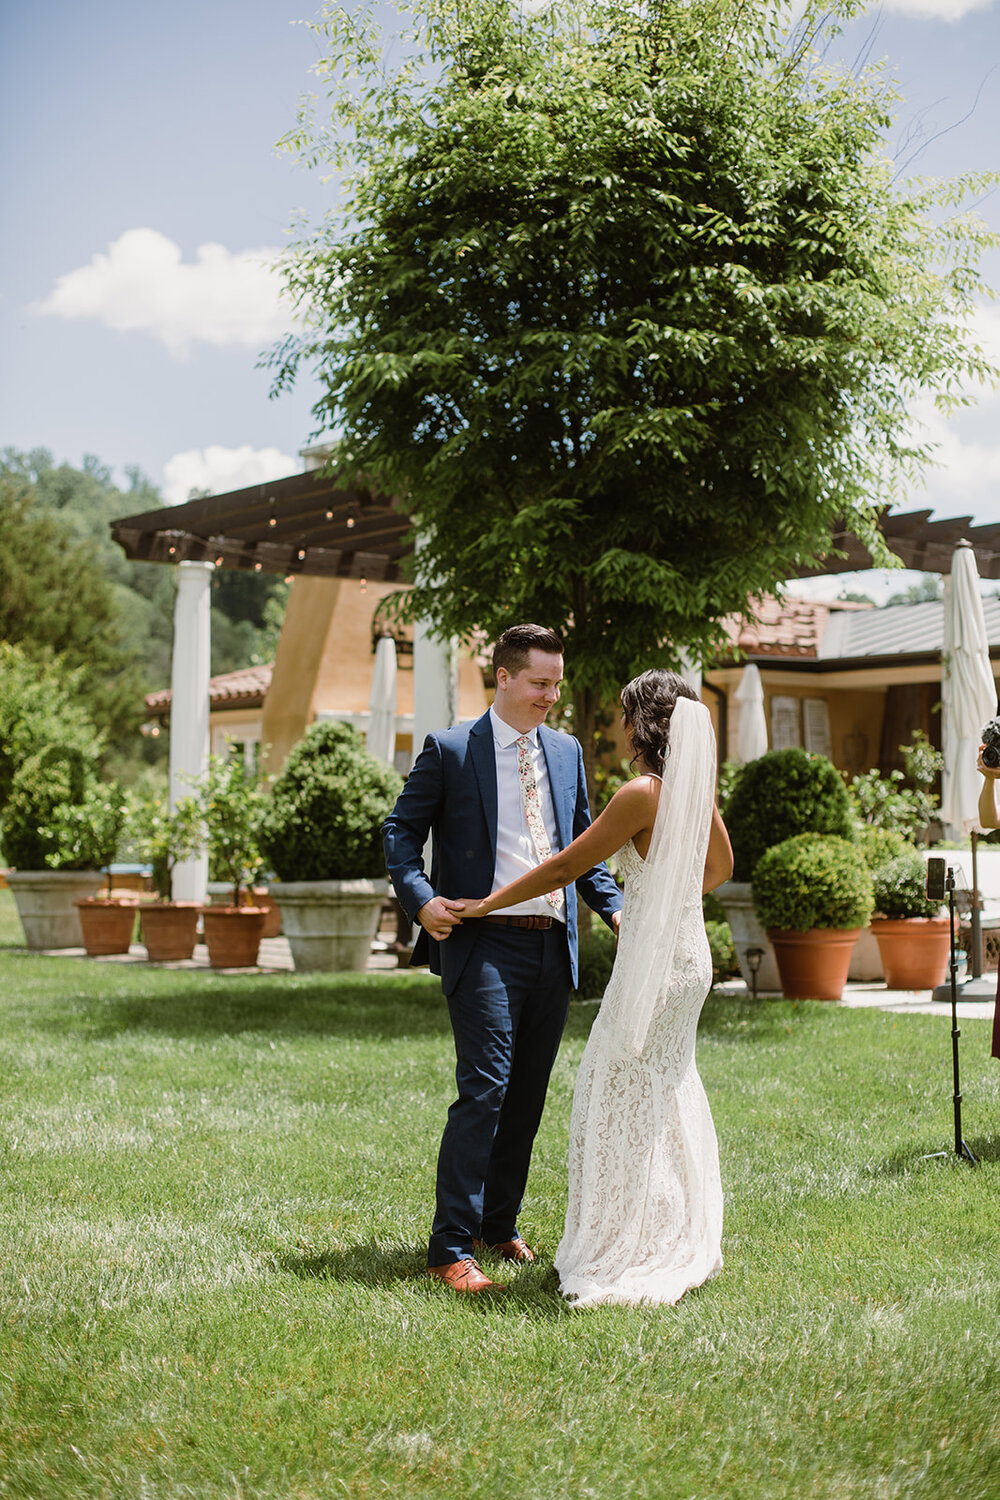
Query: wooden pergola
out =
(324, 526)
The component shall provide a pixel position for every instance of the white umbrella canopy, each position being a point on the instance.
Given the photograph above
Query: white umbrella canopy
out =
(969, 695)
(751, 728)
(381, 737)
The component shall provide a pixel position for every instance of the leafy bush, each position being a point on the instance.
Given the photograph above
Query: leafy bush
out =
(326, 811)
(784, 793)
(230, 804)
(596, 960)
(813, 880)
(720, 941)
(888, 802)
(899, 887)
(164, 837)
(39, 832)
(39, 706)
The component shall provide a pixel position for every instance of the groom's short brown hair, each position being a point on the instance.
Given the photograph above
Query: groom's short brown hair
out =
(512, 649)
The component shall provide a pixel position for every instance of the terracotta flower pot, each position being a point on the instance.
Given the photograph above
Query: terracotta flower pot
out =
(220, 893)
(169, 929)
(915, 950)
(233, 934)
(813, 965)
(107, 925)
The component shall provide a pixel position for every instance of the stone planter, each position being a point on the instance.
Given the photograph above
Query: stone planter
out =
(107, 925)
(46, 904)
(169, 930)
(330, 924)
(813, 965)
(220, 893)
(232, 935)
(915, 950)
(737, 903)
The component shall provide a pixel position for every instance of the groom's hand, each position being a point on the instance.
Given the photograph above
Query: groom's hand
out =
(439, 915)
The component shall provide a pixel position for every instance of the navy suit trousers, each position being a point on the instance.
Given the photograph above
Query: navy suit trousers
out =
(507, 1011)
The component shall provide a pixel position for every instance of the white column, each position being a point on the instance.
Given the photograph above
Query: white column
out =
(435, 685)
(189, 706)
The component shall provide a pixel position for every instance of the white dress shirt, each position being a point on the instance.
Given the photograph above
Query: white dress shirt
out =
(516, 853)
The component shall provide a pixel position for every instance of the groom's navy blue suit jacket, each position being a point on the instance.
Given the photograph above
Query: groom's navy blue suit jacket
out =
(451, 793)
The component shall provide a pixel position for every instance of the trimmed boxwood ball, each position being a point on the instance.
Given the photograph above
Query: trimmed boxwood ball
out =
(783, 793)
(880, 845)
(900, 889)
(326, 811)
(813, 880)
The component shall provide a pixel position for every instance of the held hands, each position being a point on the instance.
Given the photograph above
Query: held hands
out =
(439, 915)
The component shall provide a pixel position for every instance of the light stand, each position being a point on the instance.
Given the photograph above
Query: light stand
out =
(753, 957)
(961, 1148)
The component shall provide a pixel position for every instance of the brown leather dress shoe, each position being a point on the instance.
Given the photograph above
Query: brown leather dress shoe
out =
(514, 1249)
(462, 1276)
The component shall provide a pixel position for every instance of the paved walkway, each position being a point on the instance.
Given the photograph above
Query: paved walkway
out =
(275, 957)
(875, 996)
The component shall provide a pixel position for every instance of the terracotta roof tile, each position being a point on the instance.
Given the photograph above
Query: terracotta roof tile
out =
(229, 690)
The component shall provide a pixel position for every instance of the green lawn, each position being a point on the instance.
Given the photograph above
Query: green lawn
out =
(215, 1195)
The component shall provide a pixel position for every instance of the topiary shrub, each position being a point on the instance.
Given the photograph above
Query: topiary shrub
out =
(596, 960)
(813, 880)
(879, 845)
(324, 820)
(720, 941)
(784, 793)
(900, 888)
(57, 816)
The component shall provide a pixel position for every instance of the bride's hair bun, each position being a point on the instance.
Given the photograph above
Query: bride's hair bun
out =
(648, 703)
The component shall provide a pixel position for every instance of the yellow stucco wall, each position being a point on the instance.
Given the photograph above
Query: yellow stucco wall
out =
(324, 663)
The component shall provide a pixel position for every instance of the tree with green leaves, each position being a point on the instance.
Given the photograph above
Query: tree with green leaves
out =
(626, 304)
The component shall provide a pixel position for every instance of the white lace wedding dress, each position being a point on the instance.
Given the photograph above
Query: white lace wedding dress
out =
(644, 1220)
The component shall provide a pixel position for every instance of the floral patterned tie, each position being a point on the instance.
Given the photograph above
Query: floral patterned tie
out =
(533, 812)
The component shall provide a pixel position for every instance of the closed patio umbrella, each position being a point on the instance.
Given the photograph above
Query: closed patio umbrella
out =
(969, 700)
(751, 728)
(381, 737)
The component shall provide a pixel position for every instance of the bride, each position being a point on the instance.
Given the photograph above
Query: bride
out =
(644, 1218)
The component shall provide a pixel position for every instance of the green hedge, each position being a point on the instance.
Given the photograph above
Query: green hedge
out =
(784, 793)
(813, 880)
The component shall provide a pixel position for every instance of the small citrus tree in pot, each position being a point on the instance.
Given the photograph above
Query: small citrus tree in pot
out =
(913, 935)
(231, 804)
(783, 793)
(813, 894)
(164, 836)
(321, 835)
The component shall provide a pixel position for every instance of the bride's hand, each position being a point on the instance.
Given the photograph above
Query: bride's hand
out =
(472, 906)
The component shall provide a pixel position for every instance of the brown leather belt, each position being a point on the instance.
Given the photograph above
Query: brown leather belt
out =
(527, 924)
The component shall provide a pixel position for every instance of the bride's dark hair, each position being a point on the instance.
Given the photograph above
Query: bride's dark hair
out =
(648, 702)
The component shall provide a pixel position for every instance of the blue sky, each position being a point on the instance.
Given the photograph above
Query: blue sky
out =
(143, 196)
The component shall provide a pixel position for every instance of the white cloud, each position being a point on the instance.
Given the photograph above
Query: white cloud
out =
(937, 10)
(219, 470)
(142, 285)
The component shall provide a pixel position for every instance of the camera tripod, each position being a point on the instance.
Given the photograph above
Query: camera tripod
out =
(961, 1146)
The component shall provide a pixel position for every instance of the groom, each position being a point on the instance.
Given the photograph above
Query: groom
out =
(499, 796)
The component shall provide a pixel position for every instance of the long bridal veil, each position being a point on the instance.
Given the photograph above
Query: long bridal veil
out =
(674, 866)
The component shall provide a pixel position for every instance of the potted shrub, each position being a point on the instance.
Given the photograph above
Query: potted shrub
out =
(321, 834)
(813, 893)
(164, 838)
(107, 922)
(50, 841)
(913, 936)
(783, 793)
(229, 804)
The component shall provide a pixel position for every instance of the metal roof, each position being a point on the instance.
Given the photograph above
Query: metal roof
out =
(897, 630)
